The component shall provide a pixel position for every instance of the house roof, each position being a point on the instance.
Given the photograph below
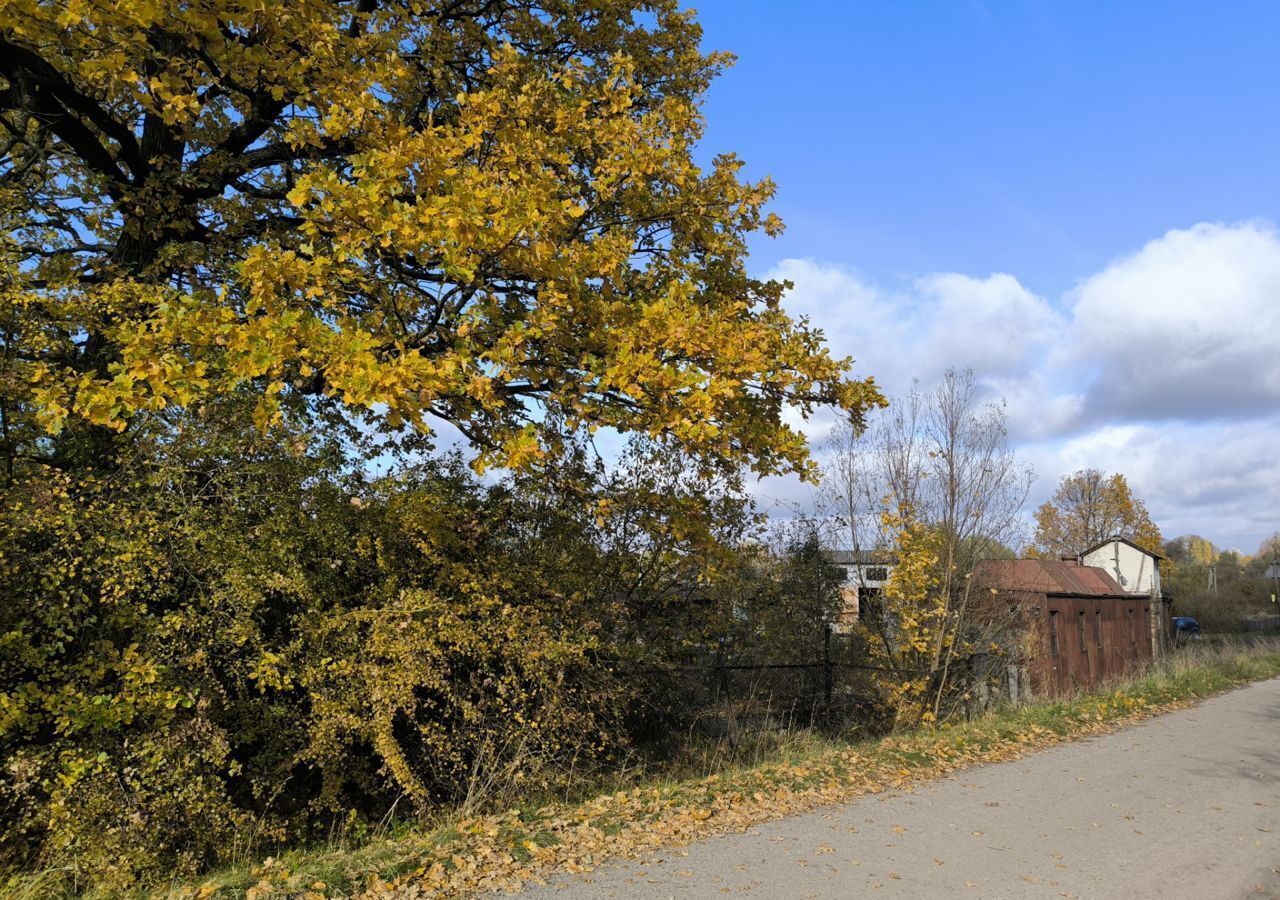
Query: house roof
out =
(1122, 540)
(860, 557)
(1047, 576)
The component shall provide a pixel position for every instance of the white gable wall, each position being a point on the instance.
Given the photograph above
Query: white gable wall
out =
(1134, 569)
(1137, 573)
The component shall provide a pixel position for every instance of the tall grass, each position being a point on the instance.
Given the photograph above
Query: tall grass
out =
(1204, 667)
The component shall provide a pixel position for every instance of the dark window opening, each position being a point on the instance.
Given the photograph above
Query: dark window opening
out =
(1097, 627)
(878, 573)
(1053, 632)
(1084, 644)
(870, 605)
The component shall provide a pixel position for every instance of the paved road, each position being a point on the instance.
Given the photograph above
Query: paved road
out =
(1186, 805)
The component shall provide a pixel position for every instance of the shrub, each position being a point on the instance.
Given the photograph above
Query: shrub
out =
(229, 641)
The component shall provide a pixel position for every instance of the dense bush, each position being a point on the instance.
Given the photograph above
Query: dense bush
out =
(149, 612)
(228, 639)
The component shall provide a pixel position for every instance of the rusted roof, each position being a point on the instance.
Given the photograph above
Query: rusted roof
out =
(1047, 576)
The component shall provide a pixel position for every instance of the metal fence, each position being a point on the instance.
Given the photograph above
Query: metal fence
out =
(834, 689)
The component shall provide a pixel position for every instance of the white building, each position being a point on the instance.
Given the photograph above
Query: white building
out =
(865, 573)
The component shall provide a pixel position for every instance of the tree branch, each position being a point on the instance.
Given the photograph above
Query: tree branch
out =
(64, 106)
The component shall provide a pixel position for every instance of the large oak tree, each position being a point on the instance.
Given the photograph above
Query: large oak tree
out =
(487, 212)
(347, 219)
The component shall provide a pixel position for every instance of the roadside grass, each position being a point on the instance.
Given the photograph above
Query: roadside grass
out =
(643, 811)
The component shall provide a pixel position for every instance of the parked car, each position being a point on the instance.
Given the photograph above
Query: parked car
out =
(1185, 627)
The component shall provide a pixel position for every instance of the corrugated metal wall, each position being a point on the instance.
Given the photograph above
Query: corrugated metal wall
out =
(1087, 640)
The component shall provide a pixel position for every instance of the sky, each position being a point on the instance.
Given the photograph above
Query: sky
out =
(1080, 201)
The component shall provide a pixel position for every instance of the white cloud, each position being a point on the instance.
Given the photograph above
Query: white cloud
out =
(992, 325)
(1165, 366)
(929, 324)
(1221, 481)
(1039, 406)
(1188, 327)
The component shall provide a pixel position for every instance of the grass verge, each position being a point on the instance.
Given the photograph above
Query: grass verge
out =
(502, 851)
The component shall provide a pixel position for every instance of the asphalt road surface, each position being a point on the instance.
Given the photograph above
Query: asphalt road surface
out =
(1185, 805)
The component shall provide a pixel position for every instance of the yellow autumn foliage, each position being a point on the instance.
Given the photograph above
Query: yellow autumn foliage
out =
(424, 211)
(254, 257)
(913, 618)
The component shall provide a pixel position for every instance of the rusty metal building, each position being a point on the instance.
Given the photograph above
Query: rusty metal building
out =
(1079, 626)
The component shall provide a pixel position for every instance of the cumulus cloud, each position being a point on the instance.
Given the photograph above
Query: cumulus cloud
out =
(1164, 365)
(1188, 327)
(1203, 478)
(922, 326)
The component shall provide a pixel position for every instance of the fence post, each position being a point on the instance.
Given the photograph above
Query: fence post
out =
(826, 661)
(983, 697)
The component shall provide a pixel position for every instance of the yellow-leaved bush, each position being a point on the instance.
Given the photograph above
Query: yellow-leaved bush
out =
(237, 638)
(902, 637)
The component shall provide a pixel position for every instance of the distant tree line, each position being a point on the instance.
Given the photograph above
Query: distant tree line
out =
(1224, 590)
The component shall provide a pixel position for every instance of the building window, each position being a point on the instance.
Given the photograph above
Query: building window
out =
(878, 573)
(1133, 629)
(1053, 632)
(870, 606)
(1097, 627)
(1084, 644)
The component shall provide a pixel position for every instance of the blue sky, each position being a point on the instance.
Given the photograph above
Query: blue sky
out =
(967, 136)
(1076, 199)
